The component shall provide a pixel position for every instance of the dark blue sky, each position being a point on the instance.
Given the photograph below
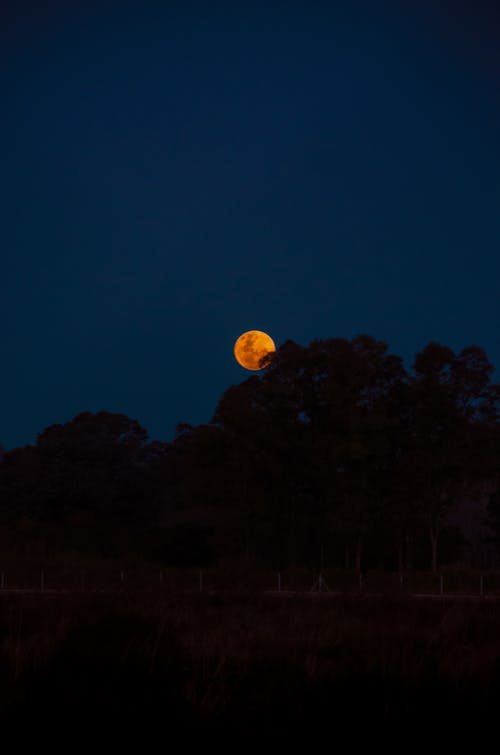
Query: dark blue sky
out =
(176, 173)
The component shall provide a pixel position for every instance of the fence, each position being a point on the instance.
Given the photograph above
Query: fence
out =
(114, 578)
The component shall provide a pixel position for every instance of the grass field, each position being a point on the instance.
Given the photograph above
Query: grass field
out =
(201, 662)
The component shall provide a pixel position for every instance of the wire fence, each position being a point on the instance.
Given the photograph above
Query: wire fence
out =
(49, 578)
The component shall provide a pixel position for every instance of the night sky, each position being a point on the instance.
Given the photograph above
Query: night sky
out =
(176, 173)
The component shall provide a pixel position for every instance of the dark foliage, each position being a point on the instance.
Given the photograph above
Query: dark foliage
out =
(335, 454)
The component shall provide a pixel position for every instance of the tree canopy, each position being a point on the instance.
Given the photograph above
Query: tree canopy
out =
(334, 452)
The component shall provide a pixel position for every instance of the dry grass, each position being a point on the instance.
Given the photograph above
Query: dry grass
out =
(203, 662)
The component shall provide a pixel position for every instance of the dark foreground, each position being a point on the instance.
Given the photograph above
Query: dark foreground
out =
(210, 663)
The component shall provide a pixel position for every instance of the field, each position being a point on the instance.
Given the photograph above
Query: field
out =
(200, 662)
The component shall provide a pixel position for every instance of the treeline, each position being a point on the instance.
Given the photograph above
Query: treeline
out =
(334, 455)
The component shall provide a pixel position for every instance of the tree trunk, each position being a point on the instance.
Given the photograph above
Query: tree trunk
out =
(400, 550)
(434, 534)
(359, 544)
(408, 553)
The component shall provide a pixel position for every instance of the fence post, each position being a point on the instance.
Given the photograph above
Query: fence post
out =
(400, 581)
(279, 581)
(481, 586)
(122, 577)
(201, 580)
(361, 581)
(2, 581)
(82, 581)
(42, 581)
(161, 577)
(441, 585)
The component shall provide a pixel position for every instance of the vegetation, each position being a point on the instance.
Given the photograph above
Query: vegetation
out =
(334, 455)
(245, 663)
(334, 460)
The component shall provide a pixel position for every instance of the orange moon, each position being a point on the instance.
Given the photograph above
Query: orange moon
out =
(252, 348)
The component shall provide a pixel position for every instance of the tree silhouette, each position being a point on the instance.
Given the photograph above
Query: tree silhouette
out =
(332, 448)
(93, 469)
(452, 402)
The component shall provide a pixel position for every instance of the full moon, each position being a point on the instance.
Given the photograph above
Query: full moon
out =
(252, 348)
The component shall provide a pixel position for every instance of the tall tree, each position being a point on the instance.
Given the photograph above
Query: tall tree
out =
(96, 465)
(453, 403)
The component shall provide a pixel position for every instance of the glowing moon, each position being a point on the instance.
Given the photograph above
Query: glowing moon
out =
(254, 349)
